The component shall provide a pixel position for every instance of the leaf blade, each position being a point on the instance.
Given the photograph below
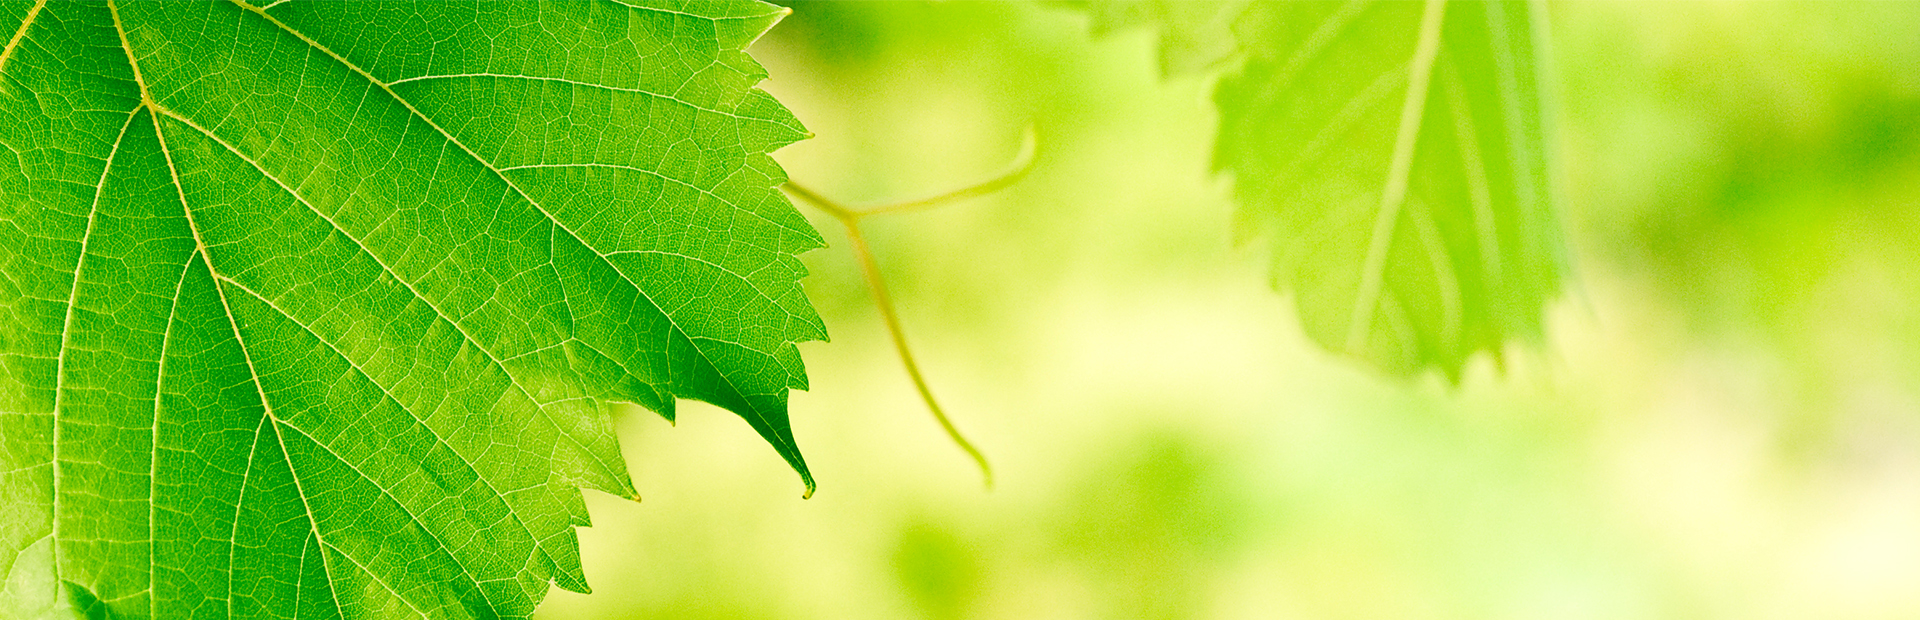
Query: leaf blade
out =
(326, 358)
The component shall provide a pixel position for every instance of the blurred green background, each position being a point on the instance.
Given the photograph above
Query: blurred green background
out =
(1725, 424)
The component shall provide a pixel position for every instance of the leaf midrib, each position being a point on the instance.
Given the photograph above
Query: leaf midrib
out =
(1393, 197)
(222, 279)
(266, 406)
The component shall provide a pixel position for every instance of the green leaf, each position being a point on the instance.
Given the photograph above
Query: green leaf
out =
(1395, 156)
(315, 310)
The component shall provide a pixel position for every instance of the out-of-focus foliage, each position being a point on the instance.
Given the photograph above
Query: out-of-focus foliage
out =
(1726, 426)
(1774, 199)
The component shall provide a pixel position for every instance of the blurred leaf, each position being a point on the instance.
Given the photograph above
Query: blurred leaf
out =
(1154, 522)
(311, 310)
(938, 569)
(1394, 154)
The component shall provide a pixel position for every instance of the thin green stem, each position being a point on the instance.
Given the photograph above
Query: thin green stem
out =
(822, 202)
(1018, 169)
(870, 268)
(850, 217)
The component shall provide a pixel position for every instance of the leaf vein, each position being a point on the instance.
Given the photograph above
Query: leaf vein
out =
(1419, 73)
(784, 444)
(153, 468)
(374, 576)
(707, 192)
(66, 333)
(542, 78)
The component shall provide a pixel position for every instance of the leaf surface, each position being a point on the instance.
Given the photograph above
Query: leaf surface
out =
(1394, 155)
(314, 310)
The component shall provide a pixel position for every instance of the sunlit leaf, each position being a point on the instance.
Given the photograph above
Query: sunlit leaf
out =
(314, 310)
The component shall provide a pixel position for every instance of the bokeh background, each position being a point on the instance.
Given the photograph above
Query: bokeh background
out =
(1725, 422)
